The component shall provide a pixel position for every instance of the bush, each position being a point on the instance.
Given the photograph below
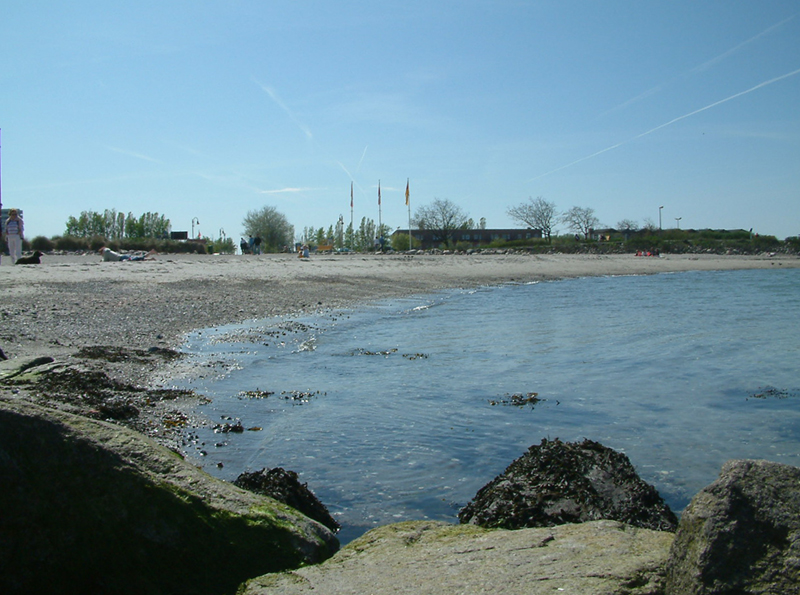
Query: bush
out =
(70, 243)
(42, 244)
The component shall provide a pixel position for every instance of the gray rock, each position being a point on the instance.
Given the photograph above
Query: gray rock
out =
(91, 507)
(419, 557)
(741, 534)
(562, 482)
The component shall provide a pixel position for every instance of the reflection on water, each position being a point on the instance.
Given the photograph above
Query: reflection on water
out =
(404, 409)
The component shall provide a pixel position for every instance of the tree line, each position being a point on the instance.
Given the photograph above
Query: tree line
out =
(115, 226)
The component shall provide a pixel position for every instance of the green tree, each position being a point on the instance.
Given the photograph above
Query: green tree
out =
(400, 242)
(148, 225)
(350, 237)
(271, 226)
(115, 226)
(365, 235)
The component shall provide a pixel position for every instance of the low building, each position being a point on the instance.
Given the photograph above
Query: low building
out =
(427, 239)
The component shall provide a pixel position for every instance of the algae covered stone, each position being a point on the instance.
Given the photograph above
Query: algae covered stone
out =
(90, 507)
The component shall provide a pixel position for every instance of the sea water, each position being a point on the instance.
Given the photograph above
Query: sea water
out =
(403, 409)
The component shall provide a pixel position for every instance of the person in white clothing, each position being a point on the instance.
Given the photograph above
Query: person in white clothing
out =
(14, 233)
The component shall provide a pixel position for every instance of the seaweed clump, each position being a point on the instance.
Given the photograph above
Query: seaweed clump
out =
(556, 482)
(284, 486)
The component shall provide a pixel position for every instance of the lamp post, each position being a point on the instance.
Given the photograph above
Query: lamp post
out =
(197, 221)
(659, 216)
(678, 221)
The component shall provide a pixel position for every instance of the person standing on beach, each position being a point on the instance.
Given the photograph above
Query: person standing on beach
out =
(14, 233)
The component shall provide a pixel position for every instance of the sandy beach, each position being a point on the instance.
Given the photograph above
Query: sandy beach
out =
(122, 320)
(69, 302)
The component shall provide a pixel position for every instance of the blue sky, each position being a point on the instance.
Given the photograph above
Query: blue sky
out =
(209, 109)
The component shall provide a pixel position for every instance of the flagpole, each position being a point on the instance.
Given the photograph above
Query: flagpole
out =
(408, 204)
(379, 210)
(352, 231)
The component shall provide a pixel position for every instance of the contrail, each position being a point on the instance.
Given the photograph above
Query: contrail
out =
(673, 121)
(709, 63)
(274, 96)
(360, 161)
(132, 154)
(700, 67)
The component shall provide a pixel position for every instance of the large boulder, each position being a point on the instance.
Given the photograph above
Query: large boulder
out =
(741, 534)
(284, 486)
(92, 507)
(561, 482)
(434, 558)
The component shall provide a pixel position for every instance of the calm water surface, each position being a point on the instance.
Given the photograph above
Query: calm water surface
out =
(387, 412)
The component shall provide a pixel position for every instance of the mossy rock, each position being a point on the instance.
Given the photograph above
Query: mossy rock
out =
(92, 507)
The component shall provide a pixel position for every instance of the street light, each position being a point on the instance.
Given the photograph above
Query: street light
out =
(659, 216)
(194, 220)
(678, 221)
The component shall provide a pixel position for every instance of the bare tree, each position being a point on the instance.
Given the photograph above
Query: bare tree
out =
(627, 224)
(444, 218)
(581, 220)
(536, 214)
(649, 225)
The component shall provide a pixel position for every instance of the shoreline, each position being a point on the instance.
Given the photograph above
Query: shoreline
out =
(125, 320)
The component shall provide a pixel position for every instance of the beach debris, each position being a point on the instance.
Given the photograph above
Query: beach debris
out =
(388, 352)
(385, 353)
(256, 394)
(517, 400)
(124, 354)
(299, 396)
(770, 392)
(227, 427)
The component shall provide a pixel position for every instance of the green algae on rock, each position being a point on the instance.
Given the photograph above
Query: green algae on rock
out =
(90, 506)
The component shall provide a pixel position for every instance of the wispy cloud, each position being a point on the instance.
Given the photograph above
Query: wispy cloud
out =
(274, 96)
(360, 161)
(289, 190)
(699, 68)
(709, 63)
(133, 154)
(673, 121)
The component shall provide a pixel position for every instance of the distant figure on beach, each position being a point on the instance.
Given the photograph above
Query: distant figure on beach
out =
(303, 252)
(251, 242)
(14, 234)
(244, 247)
(257, 245)
(110, 256)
